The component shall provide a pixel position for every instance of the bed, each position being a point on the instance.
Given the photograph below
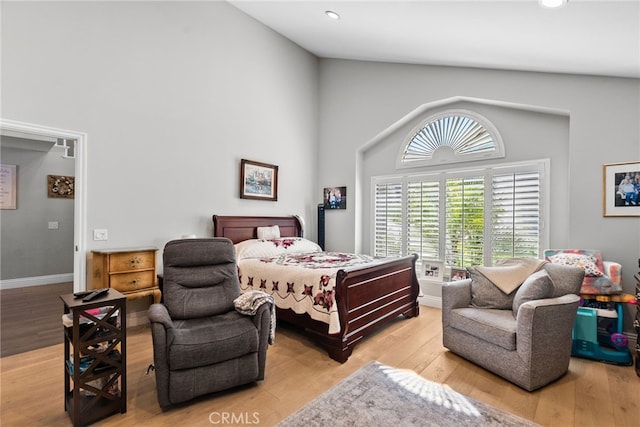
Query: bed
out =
(358, 297)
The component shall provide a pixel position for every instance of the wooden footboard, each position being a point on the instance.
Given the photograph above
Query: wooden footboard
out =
(370, 297)
(367, 297)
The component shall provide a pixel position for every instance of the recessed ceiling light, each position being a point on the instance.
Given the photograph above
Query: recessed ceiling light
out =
(552, 3)
(331, 14)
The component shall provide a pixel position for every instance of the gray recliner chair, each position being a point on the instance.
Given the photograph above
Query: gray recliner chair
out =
(201, 344)
(524, 337)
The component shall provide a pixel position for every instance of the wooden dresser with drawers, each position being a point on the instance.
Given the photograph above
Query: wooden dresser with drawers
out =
(131, 271)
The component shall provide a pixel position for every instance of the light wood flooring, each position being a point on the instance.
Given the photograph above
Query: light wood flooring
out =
(591, 394)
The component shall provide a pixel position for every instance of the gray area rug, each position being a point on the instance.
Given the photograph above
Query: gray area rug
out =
(379, 395)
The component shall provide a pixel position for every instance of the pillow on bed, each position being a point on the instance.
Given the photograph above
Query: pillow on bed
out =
(263, 248)
(268, 233)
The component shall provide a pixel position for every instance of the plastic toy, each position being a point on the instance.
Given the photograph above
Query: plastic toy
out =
(597, 333)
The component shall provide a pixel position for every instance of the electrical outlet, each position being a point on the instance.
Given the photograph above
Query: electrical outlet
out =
(52, 225)
(100, 234)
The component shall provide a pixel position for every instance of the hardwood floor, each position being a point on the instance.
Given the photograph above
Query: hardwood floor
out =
(591, 394)
(30, 317)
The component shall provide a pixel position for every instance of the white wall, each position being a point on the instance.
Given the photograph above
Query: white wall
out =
(360, 100)
(29, 248)
(172, 95)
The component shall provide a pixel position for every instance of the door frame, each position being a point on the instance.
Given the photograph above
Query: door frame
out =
(80, 200)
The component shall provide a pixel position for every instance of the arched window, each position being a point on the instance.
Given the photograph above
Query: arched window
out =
(450, 137)
(467, 216)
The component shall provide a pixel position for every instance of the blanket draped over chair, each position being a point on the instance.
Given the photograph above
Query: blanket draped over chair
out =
(511, 273)
(249, 303)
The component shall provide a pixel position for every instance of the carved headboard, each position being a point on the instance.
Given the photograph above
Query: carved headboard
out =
(239, 228)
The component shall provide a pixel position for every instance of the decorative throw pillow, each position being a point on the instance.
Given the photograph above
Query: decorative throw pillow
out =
(536, 286)
(587, 262)
(269, 233)
(484, 294)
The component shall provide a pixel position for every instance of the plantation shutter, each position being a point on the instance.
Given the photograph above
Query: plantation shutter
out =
(466, 217)
(388, 219)
(464, 221)
(423, 219)
(515, 225)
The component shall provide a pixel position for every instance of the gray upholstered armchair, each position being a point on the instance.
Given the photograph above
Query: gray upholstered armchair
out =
(201, 344)
(523, 336)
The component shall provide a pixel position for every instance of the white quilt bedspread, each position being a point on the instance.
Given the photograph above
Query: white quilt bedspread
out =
(304, 283)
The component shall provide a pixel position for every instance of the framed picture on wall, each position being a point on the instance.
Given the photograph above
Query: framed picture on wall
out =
(335, 198)
(8, 186)
(258, 181)
(61, 186)
(621, 189)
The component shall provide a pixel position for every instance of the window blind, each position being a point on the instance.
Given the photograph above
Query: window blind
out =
(465, 221)
(423, 219)
(515, 225)
(388, 219)
(463, 217)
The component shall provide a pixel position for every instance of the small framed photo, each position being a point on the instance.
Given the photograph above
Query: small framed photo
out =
(335, 198)
(258, 181)
(433, 270)
(459, 273)
(621, 189)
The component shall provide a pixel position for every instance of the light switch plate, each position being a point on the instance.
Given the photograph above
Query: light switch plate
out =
(52, 225)
(100, 234)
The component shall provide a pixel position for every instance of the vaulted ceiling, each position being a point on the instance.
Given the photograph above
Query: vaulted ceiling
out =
(583, 37)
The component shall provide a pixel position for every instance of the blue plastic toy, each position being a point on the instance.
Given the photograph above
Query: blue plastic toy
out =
(597, 333)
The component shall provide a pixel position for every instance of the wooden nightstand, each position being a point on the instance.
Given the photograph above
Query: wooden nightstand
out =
(131, 271)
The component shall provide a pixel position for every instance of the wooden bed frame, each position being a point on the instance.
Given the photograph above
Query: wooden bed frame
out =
(367, 297)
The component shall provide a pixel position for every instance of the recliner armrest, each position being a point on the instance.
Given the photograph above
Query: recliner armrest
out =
(158, 314)
(264, 309)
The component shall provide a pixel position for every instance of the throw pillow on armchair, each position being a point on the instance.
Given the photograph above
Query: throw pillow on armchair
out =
(601, 277)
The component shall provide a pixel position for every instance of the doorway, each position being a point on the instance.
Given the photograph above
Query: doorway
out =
(79, 222)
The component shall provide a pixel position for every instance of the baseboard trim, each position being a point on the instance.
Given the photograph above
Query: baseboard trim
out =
(25, 282)
(430, 301)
